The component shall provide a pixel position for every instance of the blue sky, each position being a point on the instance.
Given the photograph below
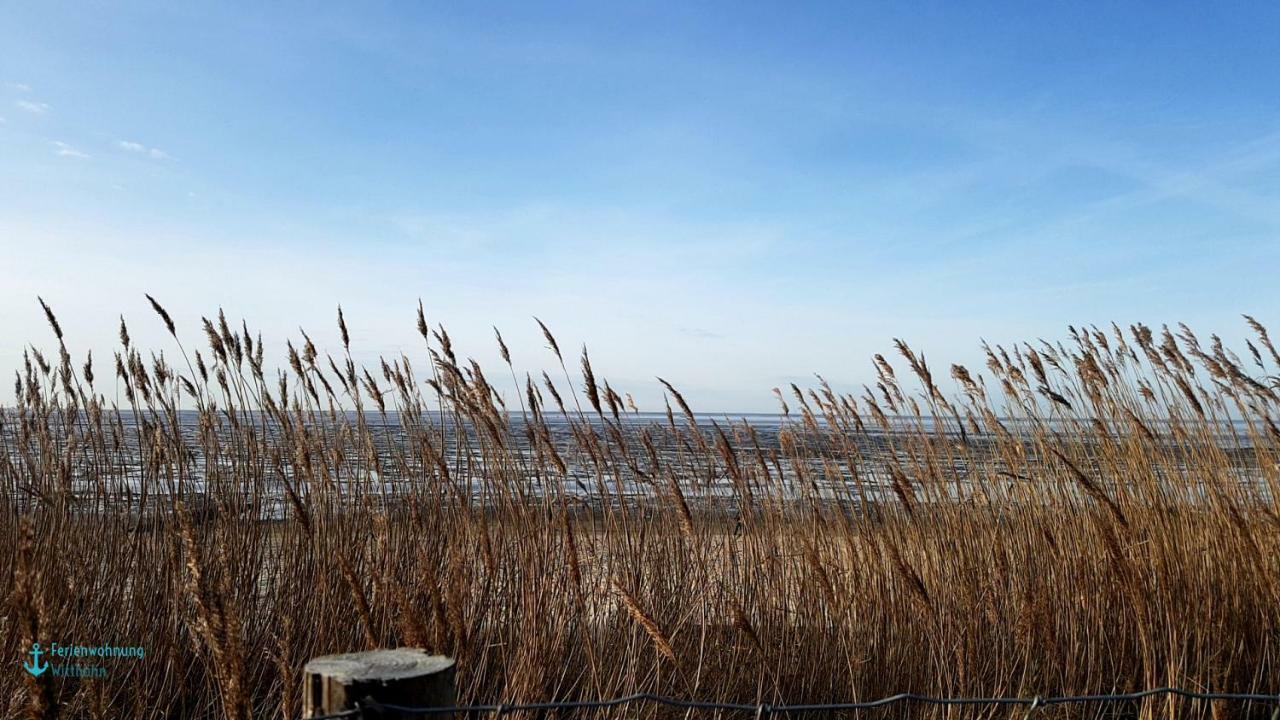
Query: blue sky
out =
(733, 196)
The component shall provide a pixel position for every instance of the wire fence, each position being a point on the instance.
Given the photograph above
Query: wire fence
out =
(372, 709)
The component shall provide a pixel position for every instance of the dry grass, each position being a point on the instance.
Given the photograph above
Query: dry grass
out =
(1071, 520)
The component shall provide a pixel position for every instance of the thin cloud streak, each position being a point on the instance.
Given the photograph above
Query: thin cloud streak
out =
(139, 148)
(68, 151)
(35, 108)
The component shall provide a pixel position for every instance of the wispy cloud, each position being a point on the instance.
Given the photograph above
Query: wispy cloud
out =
(701, 333)
(20, 87)
(137, 147)
(64, 150)
(35, 108)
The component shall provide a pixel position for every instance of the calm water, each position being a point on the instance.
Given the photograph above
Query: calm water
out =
(829, 468)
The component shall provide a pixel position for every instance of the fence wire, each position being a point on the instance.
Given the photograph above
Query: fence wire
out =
(372, 709)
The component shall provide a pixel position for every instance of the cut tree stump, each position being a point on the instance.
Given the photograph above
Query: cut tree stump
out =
(402, 676)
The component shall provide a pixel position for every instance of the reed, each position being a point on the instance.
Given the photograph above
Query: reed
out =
(1092, 515)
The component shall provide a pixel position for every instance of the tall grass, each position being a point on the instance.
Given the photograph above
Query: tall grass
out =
(1078, 517)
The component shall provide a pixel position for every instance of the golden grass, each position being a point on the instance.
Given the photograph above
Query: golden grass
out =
(1072, 520)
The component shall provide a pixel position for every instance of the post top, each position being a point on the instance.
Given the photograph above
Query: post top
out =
(389, 664)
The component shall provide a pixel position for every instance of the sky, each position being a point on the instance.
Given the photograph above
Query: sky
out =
(732, 196)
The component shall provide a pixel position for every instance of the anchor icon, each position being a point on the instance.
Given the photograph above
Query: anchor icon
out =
(34, 666)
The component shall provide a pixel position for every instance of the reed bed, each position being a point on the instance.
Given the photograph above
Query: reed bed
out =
(1093, 515)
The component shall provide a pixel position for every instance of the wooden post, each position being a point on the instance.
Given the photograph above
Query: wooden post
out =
(403, 676)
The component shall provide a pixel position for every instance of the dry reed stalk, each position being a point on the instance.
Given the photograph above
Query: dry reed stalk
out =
(1076, 518)
(644, 620)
